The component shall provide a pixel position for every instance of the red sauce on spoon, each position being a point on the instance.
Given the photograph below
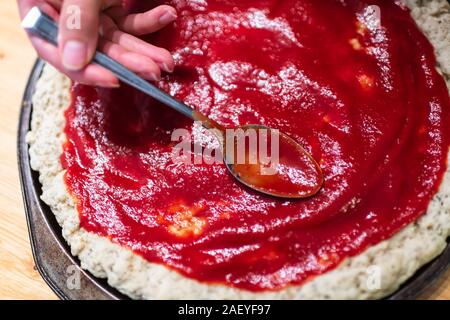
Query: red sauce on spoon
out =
(290, 172)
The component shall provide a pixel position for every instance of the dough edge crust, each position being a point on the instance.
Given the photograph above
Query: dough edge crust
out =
(396, 259)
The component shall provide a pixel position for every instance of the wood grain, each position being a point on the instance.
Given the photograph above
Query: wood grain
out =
(18, 277)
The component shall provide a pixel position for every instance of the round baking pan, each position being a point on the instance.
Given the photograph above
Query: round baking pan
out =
(62, 271)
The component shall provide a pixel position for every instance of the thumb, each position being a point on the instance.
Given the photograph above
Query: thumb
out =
(78, 32)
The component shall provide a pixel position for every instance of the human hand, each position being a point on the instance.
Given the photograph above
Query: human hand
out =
(103, 25)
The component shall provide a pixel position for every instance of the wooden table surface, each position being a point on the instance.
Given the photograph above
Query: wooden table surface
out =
(18, 276)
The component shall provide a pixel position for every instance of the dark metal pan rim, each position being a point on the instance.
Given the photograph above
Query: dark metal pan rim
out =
(51, 253)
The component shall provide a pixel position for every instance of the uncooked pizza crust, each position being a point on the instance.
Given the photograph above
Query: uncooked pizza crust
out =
(392, 261)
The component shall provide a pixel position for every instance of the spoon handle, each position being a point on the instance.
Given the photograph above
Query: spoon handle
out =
(43, 26)
(137, 82)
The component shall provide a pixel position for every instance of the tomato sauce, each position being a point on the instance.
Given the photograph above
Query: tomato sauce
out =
(363, 98)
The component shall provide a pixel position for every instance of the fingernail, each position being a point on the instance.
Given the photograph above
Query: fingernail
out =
(74, 55)
(166, 67)
(167, 17)
(114, 85)
(155, 77)
(109, 84)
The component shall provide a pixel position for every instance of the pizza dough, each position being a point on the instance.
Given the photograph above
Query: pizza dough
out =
(390, 262)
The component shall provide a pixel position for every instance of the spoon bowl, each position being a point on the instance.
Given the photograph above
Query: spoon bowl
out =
(271, 162)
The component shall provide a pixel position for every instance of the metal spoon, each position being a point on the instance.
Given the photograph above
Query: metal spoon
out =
(294, 174)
